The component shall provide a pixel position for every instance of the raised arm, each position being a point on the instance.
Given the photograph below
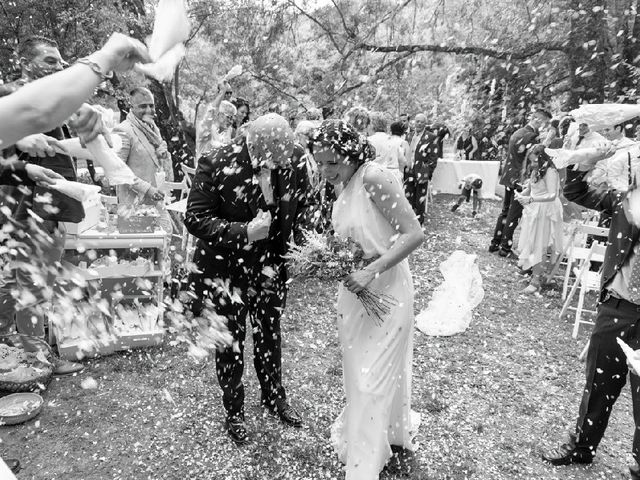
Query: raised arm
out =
(386, 193)
(45, 103)
(577, 190)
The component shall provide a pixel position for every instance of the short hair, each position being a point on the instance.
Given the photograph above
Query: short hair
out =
(314, 114)
(358, 117)
(397, 128)
(227, 107)
(543, 113)
(378, 122)
(27, 48)
(140, 90)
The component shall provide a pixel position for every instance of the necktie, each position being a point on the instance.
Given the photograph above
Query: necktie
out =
(634, 277)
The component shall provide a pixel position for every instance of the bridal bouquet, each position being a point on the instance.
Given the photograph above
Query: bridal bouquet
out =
(333, 258)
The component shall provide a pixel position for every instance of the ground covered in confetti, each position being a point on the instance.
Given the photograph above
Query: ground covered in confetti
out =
(504, 390)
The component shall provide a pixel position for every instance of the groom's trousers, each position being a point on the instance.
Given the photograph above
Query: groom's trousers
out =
(606, 372)
(259, 293)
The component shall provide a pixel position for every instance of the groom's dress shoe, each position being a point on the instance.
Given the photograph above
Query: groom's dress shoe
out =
(13, 464)
(634, 471)
(287, 414)
(566, 454)
(237, 431)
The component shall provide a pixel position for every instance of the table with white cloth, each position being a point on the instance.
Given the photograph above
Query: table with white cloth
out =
(448, 174)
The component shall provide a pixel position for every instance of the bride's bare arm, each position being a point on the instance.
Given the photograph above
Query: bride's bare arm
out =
(387, 194)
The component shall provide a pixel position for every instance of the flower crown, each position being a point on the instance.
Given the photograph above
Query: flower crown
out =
(344, 139)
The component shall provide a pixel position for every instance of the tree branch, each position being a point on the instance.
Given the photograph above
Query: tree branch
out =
(525, 52)
(317, 22)
(260, 78)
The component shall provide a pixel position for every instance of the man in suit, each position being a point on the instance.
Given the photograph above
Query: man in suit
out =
(247, 201)
(146, 153)
(41, 241)
(424, 155)
(511, 178)
(618, 316)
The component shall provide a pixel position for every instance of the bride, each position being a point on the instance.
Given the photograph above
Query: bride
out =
(373, 211)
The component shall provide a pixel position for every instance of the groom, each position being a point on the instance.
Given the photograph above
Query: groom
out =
(247, 200)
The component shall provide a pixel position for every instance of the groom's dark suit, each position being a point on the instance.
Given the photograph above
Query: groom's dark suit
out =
(241, 278)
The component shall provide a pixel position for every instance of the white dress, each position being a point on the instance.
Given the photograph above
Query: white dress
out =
(541, 226)
(376, 359)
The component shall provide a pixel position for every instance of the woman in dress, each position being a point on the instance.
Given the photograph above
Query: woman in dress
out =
(373, 211)
(542, 216)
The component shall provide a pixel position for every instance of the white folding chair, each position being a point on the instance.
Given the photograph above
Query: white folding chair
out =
(586, 281)
(578, 251)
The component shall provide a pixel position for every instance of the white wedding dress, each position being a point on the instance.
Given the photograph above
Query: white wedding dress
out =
(376, 358)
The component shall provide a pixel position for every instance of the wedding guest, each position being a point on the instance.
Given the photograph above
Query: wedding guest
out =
(216, 128)
(359, 118)
(243, 112)
(467, 145)
(424, 159)
(146, 153)
(441, 132)
(471, 185)
(617, 317)
(43, 104)
(247, 201)
(401, 148)
(42, 242)
(377, 354)
(542, 226)
(521, 140)
(386, 151)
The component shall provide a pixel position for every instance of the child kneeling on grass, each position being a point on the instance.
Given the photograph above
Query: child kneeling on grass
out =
(470, 185)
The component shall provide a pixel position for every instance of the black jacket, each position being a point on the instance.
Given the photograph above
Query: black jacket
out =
(622, 234)
(519, 143)
(13, 172)
(425, 159)
(225, 196)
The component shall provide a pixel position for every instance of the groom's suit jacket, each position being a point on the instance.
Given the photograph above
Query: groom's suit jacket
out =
(225, 196)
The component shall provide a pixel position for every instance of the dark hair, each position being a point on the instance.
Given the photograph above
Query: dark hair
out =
(397, 128)
(28, 47)
(343, 139)
(477, 184)
(544, 113)
(241, 102)
(543, 163)
(563, 126)
(555, 123)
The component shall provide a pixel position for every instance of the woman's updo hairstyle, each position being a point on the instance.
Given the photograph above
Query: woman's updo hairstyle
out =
(343, 139)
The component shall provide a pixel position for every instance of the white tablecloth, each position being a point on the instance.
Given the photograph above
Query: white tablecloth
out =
(448, 174)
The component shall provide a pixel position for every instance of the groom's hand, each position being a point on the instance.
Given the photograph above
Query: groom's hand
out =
(258, 228)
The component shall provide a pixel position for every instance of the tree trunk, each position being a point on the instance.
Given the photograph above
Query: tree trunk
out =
(586, 53)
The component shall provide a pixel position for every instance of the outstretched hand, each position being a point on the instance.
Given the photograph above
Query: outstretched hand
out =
(41, 175)
(124, 52)
(87, 122)
(40, 145)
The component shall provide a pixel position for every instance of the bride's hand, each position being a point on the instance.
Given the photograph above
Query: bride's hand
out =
(358, 280)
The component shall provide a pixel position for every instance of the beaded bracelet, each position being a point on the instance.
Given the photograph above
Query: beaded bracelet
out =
(97, 69)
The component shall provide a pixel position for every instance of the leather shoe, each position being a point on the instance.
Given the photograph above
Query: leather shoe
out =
(63, 367)
(568, 453)
(13, 464)
(237, 431)
(493, 248)
(287, 414)
(507, 254)
(634, 471)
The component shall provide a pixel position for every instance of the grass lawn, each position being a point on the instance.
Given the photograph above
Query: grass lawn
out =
(504, 390)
